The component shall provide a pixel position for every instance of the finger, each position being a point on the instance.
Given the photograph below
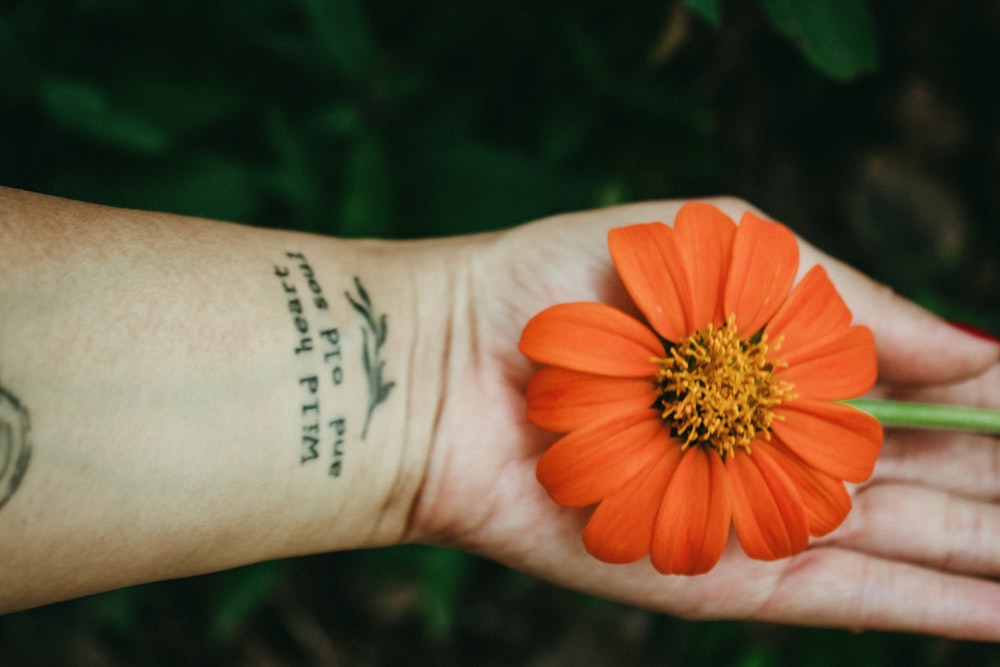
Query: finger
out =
(964, 464)
(834, 587)
(982, 391)
(923, 526)
(826, 586)
(914, 345)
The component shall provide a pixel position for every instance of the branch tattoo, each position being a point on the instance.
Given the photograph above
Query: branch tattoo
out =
(373, 333)
(15, 448)
(318, 346)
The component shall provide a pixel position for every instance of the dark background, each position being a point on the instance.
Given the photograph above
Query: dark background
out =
(871, 129)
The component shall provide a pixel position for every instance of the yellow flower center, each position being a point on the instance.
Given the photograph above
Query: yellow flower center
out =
(717, 389)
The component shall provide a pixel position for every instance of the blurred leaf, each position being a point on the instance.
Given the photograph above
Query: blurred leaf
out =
(340, 120)
(116, 609)
(710, 10)
(671, 106)
(84, 109)
(612, 193)
(591, 62)
(836, 36)
(720, 643)
(207, 184)
(293, 177)
(756, 657)
(178, 107)
(343, 35)
(8, 48)
(366, 207)
(239, 593)
(566, 131)
(444, 571)
(467, 186)
(202, 184)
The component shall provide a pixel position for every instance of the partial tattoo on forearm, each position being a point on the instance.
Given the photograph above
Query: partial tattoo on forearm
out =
(15, 447)
(295, 303)
(373, 334)
(322, 429)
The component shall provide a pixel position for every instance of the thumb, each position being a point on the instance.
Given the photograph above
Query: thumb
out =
(914, 345)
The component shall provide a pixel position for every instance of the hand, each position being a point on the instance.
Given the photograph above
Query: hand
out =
(915, 554)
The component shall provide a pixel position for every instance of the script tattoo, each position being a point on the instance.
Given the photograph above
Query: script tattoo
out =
(373, 333)
(15, 448)
(323, 428)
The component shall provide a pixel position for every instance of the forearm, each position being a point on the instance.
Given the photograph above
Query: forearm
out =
(201, 395)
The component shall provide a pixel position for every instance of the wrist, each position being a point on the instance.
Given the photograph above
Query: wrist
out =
(396, 341)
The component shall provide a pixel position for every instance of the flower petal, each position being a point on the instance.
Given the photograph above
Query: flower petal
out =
(649, 264)
(705, 239)
(562, 400)
(812, 312)
(590, 464)
(767, 510)
(693, 520)
(836, 368)
(765, 261)
(621, 528)
(835, 438)
(593, 338)
(825, 498)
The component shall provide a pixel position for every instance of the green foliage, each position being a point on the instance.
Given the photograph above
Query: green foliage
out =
(237, 594)
(342, 37)
(710, 10)
(836, 36)
(443, 575)
(83, 108)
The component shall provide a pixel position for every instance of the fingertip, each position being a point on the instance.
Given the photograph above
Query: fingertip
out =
(975, 332)
(917, 346)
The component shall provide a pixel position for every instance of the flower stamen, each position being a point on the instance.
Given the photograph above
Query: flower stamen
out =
(718, 390)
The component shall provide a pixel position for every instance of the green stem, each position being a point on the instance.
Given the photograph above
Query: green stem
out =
(926, 415)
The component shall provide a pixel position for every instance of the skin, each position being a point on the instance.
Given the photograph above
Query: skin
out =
(915, 554)
(155, 355)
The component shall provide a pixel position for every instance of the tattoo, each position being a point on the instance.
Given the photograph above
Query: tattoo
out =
(373, 334)
(296, 305)
(324, 429)
(15, 448)
(321, 428)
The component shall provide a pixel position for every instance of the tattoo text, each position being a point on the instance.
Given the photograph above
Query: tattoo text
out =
(323, 430)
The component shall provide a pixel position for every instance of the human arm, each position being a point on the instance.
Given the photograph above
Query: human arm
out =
(451, 457)
(191, 405)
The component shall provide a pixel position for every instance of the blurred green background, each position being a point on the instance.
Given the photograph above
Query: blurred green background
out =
(873, 129)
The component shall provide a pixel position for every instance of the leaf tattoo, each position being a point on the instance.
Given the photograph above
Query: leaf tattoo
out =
(373, 335)
(15, 448)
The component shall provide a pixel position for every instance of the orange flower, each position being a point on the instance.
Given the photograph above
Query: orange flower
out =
(721, 410)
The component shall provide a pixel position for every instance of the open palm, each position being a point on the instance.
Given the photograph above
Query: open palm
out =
(915, 553)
